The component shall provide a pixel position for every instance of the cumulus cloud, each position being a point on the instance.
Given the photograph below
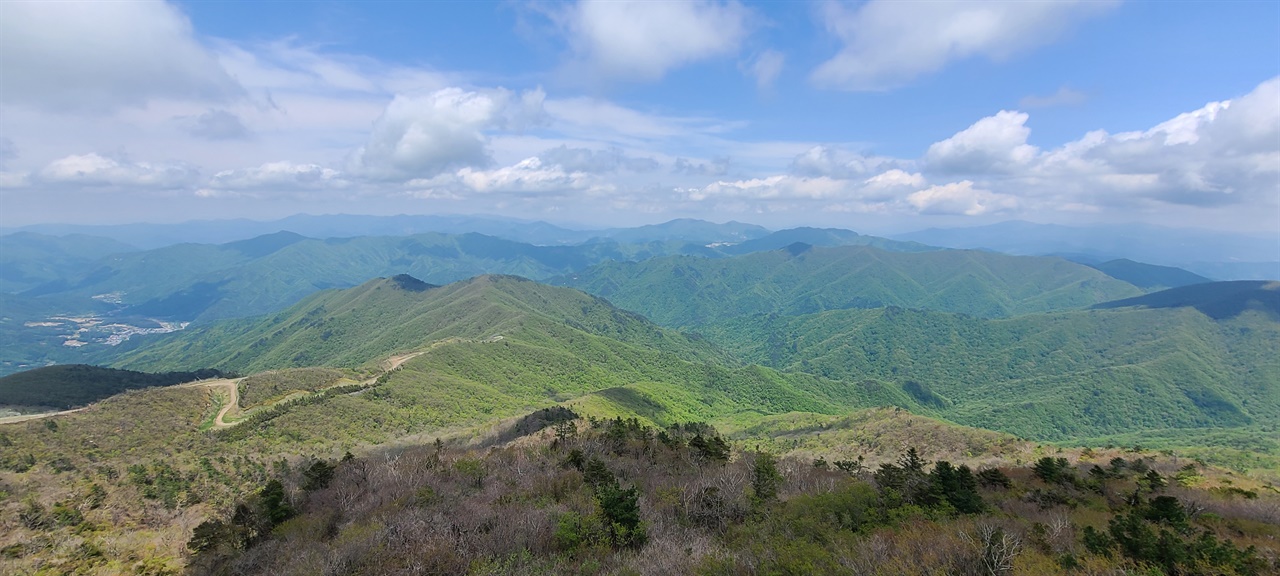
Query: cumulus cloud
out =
(102, 56)
(994, 144)
(642, 41)
(588, 160)
(100, 171)
(1221, 154)
(217, 124)
(959, 198)
(780, 187)
(282, 176)
(888, 44)
(837, 163)
(894, 179)
(529, 177)
(420, 136)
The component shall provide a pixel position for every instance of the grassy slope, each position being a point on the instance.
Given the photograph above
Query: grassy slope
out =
(688, 292)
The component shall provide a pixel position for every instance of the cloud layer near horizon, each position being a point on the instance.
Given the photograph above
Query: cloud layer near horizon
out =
(234, 126)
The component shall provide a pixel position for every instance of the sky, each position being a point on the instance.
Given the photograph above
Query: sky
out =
(877, 116)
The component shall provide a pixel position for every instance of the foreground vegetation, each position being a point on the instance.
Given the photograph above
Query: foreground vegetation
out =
(618, 497)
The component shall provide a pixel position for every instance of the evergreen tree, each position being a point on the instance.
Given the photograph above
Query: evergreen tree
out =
(765, 479)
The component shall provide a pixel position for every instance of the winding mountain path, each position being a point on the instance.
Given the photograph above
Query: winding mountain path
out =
(232, 387)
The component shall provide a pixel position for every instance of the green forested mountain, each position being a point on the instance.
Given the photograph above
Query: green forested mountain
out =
(801, 279)
(819, 237)
(492, 346)
(1148, 276)
(493, 352)
(1048, 376)
(387, 316)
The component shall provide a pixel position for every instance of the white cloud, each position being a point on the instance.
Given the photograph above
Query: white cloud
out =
(959, 198)
(837, 163)
(1225, 153)
(894, 179)
(995, 144)
(102, 56)
(765, 68)
(285, 176)
(642, 41)
(420, 136)
(528, 178)
(95, 170)
(888, 44)
(780, 187)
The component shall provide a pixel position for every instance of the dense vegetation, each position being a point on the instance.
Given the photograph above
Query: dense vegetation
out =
(1052, 376)
(350, 328)
(690, 292)
(617, 497)
(69, 386)
(499, 425)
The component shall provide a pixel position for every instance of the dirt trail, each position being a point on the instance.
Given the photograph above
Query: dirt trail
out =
(232, 386)
(26, 417)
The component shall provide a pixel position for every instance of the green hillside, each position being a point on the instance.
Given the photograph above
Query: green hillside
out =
(801, 279)
(1046, 376)
(386, 316)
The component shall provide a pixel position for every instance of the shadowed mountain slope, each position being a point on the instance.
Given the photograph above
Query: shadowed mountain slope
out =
(1217, 300)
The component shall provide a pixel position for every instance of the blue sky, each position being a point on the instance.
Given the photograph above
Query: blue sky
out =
(877, 116)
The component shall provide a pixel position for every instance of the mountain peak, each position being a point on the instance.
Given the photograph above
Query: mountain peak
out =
(409, 283)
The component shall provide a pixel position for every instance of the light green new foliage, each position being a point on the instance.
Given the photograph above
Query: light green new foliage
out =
(682, 291)
(1045, 376)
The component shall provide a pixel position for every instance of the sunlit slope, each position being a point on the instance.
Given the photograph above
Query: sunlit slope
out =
(686, 292)
(1048, 376)
(386, 316)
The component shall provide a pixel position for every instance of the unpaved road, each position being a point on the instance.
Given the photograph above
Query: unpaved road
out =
(232, 387)
(25, 417)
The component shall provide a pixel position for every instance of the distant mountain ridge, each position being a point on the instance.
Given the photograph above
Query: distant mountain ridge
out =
(1218, 255)
(150, 236)
(801, 279)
